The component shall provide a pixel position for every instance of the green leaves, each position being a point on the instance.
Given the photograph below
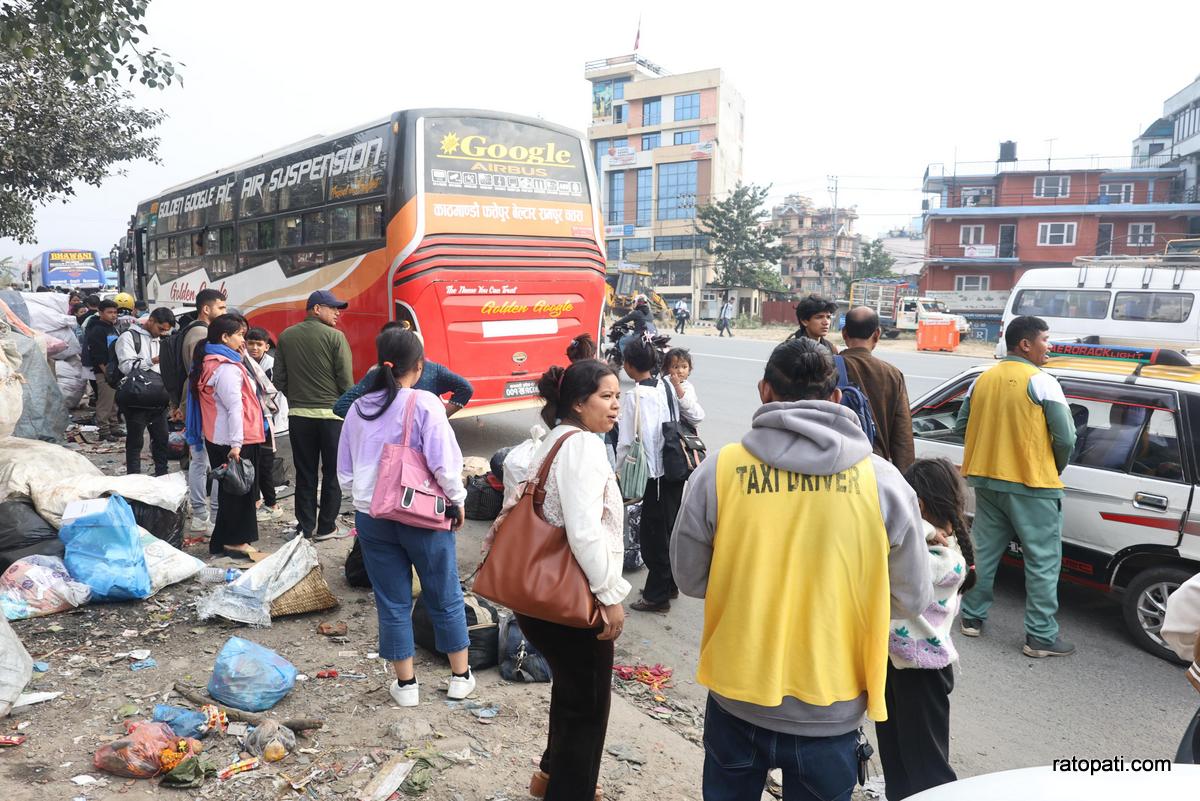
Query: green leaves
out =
(876, 262)
(747, 250)
(42, 156)
(92, 37)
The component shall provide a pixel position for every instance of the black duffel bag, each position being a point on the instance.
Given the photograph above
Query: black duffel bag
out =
(519, 660)
(483, 630)
(356, 570)
(483, 499)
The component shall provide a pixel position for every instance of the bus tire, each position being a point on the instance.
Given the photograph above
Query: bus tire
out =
(1144, 606)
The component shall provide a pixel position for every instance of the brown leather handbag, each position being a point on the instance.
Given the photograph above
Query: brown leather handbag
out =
(530, 568)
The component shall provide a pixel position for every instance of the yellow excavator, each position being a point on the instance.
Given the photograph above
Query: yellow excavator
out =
(626, 284)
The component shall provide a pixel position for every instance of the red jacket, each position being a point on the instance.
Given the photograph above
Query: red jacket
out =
(251, 412)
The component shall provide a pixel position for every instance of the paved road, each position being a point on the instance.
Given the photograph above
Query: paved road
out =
(1008, 711)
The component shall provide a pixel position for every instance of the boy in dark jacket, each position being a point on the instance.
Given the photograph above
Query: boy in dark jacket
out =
(99, 330)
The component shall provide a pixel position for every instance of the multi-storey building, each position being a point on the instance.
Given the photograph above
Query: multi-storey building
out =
(984, 230)
(664, 144)
(816, 264)
(1153, 147)
(1182, 110)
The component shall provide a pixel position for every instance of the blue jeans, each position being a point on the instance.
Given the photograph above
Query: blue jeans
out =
(738, 755)
(390, 551)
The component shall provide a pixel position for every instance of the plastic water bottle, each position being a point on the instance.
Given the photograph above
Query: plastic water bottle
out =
(219, 575)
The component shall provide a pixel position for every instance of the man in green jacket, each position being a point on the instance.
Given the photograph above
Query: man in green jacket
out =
(313, 369)
(1019, 438)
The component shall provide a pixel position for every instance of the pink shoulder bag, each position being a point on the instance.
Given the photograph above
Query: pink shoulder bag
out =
(405, 489)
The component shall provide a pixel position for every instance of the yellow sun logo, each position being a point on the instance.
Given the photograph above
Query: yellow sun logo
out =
(449, 143)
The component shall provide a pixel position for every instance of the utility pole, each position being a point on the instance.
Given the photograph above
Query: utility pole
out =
(1049, 151)
(833, 187)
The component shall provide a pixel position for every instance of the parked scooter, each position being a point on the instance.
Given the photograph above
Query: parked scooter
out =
(612, 353)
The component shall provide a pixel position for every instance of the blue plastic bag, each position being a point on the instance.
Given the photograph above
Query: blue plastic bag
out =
(250, 677)
(105, 552)
(184, 722)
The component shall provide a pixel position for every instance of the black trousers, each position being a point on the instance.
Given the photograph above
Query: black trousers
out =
(237, 523)
(914, 742)
(679, 322)
(660, 507)
(137, 422)
(264, 471)
(314, 448)
(580, 696)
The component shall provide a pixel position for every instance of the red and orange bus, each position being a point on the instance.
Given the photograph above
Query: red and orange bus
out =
(480, 229)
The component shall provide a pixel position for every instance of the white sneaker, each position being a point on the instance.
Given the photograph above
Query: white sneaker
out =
(461, 688)
(198, 524)
(268, 513)
(338, 533)
(408, 695)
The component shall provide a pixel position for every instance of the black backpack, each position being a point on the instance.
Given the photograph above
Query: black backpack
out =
(112, 370)
(170, 362)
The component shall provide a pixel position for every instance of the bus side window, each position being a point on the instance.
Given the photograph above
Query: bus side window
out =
(370, 221)
(345, 224)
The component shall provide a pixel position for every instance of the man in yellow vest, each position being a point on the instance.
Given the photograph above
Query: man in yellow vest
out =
(804, 545)
(1019, 437)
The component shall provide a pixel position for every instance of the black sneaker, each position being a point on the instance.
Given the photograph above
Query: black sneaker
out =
(970, 627)
(1039, 649)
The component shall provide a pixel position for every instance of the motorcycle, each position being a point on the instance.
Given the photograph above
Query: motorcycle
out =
(614, 357)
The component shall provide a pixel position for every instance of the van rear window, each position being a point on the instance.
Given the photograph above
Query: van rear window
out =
(1080, 304)
(1153, 307)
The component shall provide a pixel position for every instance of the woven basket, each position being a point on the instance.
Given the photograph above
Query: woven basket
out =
(311, 594)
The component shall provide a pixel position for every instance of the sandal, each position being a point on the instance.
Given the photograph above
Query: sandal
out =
(541, 780)
(251, 554)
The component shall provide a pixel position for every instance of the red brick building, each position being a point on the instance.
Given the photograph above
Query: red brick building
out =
(983, 231)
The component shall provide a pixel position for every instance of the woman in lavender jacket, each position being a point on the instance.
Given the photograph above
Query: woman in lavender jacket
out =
(391, 550)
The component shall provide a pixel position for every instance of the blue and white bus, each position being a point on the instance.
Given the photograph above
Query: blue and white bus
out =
(72, 269)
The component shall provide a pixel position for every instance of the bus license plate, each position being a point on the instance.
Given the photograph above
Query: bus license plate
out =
(520, 389)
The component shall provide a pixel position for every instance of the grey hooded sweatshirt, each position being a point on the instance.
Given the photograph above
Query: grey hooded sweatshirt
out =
(815, 438)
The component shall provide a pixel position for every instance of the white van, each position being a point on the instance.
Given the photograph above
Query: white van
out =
(1116, 300)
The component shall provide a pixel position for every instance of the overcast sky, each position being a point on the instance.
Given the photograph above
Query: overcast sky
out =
(872, 92)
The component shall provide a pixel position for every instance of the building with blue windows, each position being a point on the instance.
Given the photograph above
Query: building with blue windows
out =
(664, 145)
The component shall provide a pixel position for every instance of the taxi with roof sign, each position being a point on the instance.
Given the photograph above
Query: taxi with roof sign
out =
(1131, 510)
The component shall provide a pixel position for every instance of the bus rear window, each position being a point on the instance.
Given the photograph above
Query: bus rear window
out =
(1069, 303)
(1153, 307)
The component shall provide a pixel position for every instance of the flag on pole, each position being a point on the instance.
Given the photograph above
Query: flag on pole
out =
(637, 40)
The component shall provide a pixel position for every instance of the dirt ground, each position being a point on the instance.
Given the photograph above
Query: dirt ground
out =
(652, 743)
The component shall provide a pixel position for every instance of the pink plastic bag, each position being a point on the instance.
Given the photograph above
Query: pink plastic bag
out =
(138, 754)
(405, 489)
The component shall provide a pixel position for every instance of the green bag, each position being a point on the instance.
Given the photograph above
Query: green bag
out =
(635, 469)
(189, 773)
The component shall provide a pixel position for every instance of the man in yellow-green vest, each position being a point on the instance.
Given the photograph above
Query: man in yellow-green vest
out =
(1019, 437)
(803, 544)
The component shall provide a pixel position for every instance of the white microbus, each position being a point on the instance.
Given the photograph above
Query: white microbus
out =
(1118, 300)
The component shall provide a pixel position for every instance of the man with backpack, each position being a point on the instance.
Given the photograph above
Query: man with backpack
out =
(883, 385)
(140, 392)
(101, 327)
(177, 355)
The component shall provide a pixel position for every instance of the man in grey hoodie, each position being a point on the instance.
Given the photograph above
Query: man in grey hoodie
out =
(138, 348)
(804, 545)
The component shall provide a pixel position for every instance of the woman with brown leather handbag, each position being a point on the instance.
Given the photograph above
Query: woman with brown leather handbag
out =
(580, 496)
